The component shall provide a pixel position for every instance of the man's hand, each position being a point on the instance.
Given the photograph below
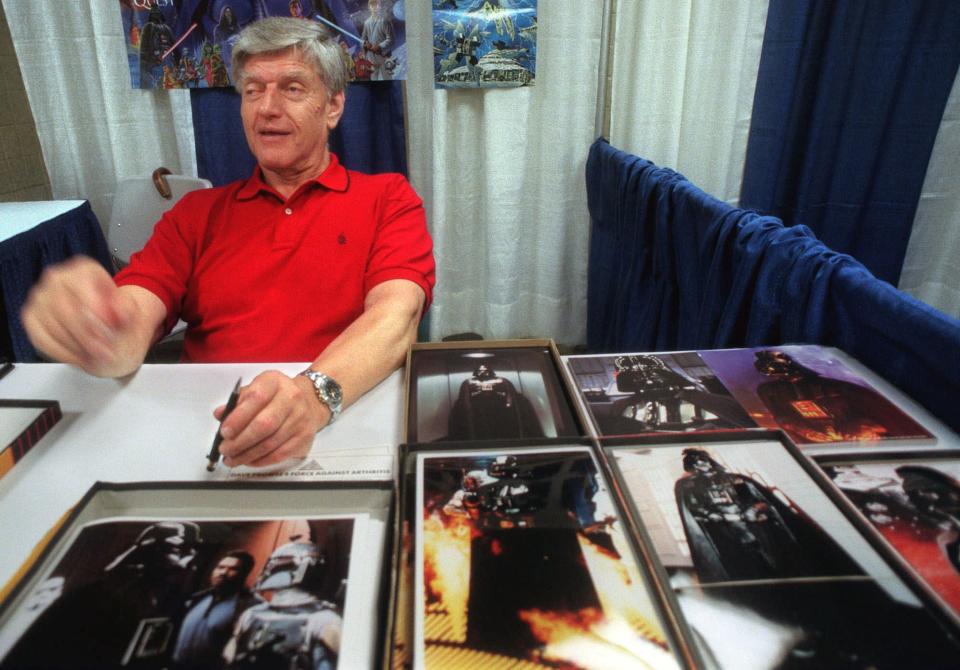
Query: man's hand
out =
(276, 418)
(75, 314)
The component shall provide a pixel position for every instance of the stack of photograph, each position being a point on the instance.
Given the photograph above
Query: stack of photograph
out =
(750, 508)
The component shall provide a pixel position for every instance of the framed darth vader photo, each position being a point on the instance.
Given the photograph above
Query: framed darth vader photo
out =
(207, 576)
(912, 501)
(487, 390)
(519, 557)
(768, 565)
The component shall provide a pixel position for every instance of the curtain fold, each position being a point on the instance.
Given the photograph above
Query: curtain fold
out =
(931, 267)
(682, 87)
(679, 269)
(93, 128)
(847, 106)
(501, 172)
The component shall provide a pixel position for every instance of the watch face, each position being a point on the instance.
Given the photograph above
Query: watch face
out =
(333, 391)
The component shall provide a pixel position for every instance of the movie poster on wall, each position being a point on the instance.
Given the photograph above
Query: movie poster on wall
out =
(484, 43)
(767, 571)
(187, 43)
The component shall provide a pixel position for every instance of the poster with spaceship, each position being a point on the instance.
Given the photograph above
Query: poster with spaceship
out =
(187, 43)
(484, 43)
(522, 561)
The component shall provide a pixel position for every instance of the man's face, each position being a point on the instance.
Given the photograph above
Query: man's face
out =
(287, 113)
(227, 571)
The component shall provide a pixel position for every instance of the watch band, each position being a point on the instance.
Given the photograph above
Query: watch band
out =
(328, 391)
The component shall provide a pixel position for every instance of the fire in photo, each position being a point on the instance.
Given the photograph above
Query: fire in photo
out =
(915, 505)
(521, 556)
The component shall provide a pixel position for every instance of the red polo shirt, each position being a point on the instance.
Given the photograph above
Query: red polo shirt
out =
(260, 279)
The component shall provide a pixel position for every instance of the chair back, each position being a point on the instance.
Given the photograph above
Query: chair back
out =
(137, 206)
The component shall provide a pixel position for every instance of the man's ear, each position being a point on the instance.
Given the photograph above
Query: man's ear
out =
(335, 109)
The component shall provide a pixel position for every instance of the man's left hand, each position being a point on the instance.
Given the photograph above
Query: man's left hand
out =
(276, 419)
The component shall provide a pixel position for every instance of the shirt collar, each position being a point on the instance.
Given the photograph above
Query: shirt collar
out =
(333, 178)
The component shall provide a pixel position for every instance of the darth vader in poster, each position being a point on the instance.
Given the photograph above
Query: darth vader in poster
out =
(737, 528)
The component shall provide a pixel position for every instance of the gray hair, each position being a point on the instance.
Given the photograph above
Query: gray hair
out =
(310, 39)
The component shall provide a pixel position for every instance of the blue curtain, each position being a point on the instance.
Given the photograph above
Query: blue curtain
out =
(673, 268)
(849, 97)
(370, 137)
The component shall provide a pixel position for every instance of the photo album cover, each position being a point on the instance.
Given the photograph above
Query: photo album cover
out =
(767, 570)
(486, 392)
(522, 561)
(208, 589)
(914, 503)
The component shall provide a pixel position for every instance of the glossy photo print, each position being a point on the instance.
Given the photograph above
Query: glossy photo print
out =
(486, 394)
(760, 557)
(629, 394)
(813, 396)
(522, 561)
(185, 593)
(915, 505)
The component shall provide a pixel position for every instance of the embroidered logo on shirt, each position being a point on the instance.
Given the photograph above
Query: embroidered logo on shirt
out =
(341, 239)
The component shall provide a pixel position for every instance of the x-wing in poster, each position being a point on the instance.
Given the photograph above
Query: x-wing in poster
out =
(522, 562)
(187, 43)
(484, 43)
(177, 593)
(915, 504)
(767, 571)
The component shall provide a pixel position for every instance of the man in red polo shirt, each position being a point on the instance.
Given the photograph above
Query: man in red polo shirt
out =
(303, 261)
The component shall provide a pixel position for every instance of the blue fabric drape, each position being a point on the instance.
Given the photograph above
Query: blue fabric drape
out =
(849, 98)
(23, 258)
(673, 268)
(370, 137)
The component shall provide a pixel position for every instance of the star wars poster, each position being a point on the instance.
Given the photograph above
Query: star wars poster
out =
(485, 394)
(629, 394)
(484, 43)
(915, 505)
(811, 395)
(767, 571)
(173, 592)
(187, 43)
(521, 561)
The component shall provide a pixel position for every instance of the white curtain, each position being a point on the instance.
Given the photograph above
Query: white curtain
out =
(502, 174)
(931, 268)
(93, 128)
(683, 77)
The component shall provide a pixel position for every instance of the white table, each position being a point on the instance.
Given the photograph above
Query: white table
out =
(19, 217)
(157, 426)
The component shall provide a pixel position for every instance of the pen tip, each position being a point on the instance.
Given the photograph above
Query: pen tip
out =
(211, 466)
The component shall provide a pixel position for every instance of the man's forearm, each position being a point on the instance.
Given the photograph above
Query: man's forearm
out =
(376, 343)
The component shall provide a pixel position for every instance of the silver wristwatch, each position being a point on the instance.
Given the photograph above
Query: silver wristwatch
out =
(328, 391)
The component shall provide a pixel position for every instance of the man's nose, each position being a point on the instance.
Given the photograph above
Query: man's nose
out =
(270, 102)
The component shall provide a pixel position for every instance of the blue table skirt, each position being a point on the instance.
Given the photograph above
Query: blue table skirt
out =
(24, 256)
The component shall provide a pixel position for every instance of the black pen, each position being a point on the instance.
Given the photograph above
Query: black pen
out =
(214, 456)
